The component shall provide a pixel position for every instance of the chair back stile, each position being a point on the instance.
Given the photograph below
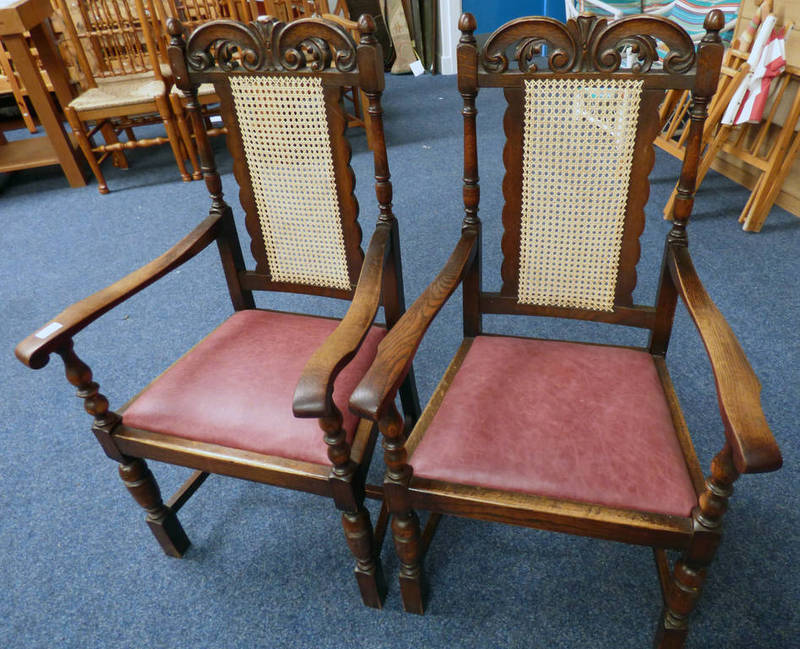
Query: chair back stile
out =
(300, 69)
(579, 148)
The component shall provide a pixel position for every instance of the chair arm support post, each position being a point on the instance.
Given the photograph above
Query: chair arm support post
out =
(346, 489)
(34, 351)
(683, 590)
(79, 374)
(753, 446)
(375, 394)
(713, 501)
(313, 396)
(391, 425)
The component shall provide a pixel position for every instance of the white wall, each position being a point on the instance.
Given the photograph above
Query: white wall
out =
(449, 12)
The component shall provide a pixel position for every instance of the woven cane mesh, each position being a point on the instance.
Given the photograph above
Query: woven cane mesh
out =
(578, 146)
(288, 151)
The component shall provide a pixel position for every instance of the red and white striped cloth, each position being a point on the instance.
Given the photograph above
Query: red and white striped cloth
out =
(767, 60)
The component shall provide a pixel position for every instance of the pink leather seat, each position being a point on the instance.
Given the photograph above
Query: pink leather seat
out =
(235, 388)
(595, 426)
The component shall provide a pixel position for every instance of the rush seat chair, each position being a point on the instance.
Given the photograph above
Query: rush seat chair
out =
(126, 85)
(226, 406)
(579, 438)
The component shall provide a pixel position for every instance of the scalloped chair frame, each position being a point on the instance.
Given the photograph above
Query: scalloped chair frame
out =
(480, 449)
(179, 432)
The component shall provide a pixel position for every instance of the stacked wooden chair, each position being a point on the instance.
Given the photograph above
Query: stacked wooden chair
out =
(226, 406)
(674, 110)
(192, 14)
(768, 148)
(580, 438)
(127, 85)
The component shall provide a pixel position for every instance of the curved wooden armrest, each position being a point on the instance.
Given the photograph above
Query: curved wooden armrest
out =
(314, 391)
(35, 350)
(396, 351)
(738, 388)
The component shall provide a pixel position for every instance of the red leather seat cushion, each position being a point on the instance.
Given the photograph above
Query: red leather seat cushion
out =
(565, 420)
(235, 388)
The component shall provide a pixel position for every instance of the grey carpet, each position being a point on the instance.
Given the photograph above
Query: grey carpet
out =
(268, 567)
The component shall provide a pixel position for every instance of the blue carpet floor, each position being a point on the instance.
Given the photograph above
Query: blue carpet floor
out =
(268, 567)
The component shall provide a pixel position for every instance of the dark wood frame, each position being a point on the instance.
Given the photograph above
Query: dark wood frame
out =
(213, 52)
(583, 48)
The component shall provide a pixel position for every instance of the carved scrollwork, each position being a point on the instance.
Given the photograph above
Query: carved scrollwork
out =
(589, 44)
(270, 45)
(314, 43)
(529, 34)
(226, 44)
(641, 33)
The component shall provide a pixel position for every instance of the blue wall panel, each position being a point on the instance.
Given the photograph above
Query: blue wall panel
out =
(490, 15)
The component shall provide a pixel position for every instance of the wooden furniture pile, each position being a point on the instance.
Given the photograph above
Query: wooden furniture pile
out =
(760, 155)
(578, 438)
(118, 54)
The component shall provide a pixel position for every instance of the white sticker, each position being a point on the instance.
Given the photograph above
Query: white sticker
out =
(416, 68)
(215, 119)
(44, 332)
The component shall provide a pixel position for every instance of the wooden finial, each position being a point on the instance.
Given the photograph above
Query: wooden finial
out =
(467, 24)
(714, 22)
(174, 27)
(366, 24)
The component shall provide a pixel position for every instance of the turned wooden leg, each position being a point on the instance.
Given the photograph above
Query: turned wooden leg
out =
(172, 134)
(86, 147)
(162, 521)
(406, 532)
(369, 573)
(684, 591)
(690, 571)
(118, 158)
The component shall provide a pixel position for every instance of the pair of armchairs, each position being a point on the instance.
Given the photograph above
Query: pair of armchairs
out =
(572, 437)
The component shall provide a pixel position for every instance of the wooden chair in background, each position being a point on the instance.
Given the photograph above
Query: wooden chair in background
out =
(580, 438)
(126, 86)
(358, 114)
(192, 14)
(226, 406)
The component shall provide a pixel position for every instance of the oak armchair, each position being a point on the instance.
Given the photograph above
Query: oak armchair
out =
(225, 407)
(579, 438)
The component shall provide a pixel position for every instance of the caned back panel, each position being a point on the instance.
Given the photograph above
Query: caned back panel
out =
(579, 132)
(578, 141)
(287, 145)
(281, 87)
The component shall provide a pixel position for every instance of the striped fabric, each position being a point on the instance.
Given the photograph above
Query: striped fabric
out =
(660, 7)
(749, 32)
(627, 7)
(690, 15)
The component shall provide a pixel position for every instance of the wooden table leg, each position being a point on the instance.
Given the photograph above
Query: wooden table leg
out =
(43, 103)
(44, 41)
